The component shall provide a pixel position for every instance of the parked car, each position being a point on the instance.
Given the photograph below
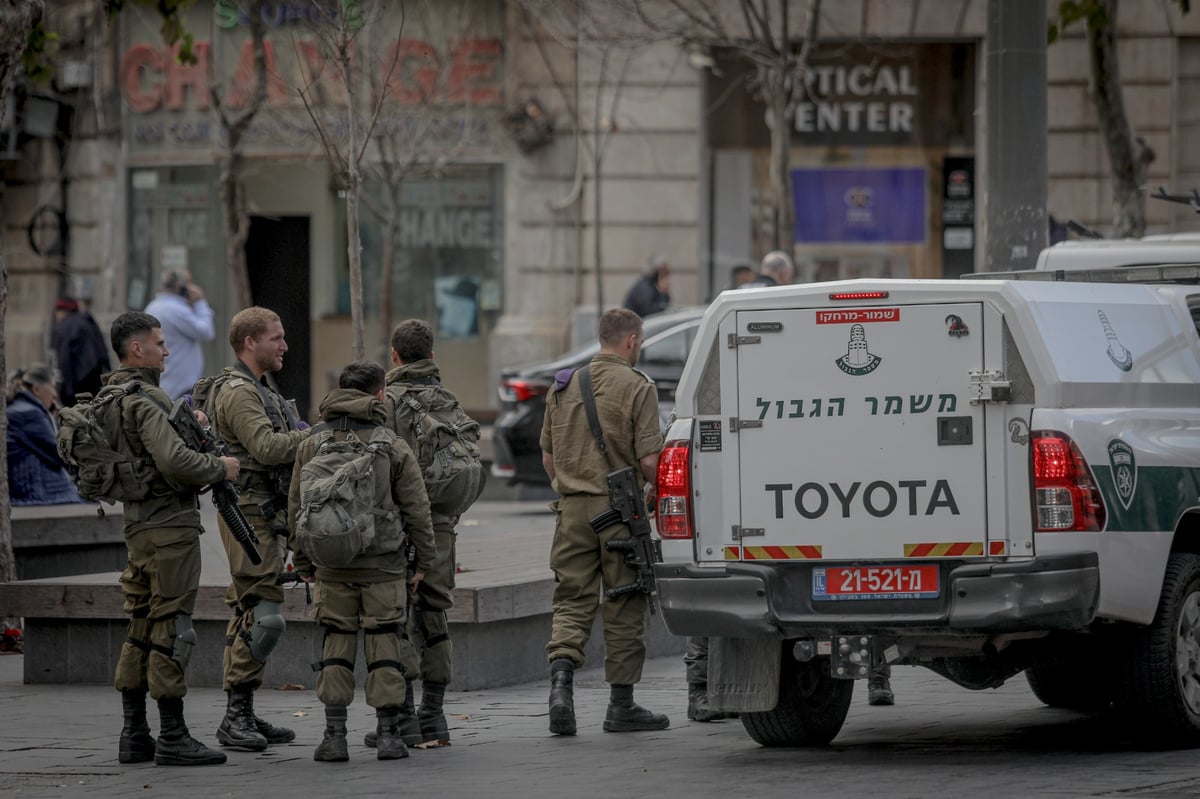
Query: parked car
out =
(518, 456)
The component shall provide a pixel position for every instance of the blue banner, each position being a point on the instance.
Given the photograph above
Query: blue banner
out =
(864, 205)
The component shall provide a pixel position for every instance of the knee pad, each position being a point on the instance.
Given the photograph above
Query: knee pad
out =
(185, 641)
(267, 629)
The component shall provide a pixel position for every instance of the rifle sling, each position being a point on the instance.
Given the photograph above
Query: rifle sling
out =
(589, 407)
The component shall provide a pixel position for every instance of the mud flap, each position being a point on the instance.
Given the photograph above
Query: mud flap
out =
(743, 674)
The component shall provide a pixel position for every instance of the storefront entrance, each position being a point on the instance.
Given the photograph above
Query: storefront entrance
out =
(277, 258)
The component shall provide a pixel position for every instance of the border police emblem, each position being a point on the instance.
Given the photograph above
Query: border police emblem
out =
(857, 360)
(1124, 470)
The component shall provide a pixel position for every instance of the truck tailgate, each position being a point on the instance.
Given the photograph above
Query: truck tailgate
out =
(855, 435)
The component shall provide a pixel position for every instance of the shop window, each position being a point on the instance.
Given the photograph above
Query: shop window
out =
(448, 265)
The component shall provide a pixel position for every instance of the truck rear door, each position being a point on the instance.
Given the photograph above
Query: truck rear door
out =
(855, 434)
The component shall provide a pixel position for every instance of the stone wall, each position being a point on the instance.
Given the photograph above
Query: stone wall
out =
(76, 173)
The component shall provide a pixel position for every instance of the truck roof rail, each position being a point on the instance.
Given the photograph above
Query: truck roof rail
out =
(1146, 273)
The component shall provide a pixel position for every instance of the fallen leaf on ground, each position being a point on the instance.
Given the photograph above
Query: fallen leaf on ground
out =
(291, 686)
(299, 714)
(463, 717)
(432, 744)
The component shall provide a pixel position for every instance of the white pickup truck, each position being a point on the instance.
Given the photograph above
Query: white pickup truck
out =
(981, 477)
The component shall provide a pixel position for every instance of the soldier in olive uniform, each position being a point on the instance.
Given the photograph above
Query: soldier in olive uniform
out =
(413, 368)
(261, 430)
(370, 594)
(162, 535)
(627, 406)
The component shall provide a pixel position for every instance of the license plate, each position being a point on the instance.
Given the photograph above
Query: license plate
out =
(876, 582)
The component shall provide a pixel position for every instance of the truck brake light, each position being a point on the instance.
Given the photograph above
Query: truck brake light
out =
(1065, 496)
(673, 487)
(859, 295)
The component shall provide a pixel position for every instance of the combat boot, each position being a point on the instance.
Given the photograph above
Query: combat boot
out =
(387, 734)
(430, 716)
(137, 744)
(333, 748)
(237, 729)
(879, 690)
(176, 746)
(409, 727)
(625, 716)
(698, 709)
(273, 734)
(562, 697)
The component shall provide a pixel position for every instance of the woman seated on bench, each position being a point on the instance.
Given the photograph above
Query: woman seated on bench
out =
(36, 475)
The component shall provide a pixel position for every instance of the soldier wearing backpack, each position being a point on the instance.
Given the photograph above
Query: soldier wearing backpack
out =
(162, 535)
(356, 499)
(260, 429)
(429, 418)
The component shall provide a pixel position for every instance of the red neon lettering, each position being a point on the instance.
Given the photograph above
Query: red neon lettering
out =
(182, 76)
(141, 97)
(473, 72)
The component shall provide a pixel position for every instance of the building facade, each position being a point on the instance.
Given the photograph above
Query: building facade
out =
(512, 156)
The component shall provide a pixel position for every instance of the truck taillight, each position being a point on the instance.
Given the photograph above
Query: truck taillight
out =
(674, 489)
(1065, 497)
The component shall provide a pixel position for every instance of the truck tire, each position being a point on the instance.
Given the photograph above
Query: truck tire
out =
(1159, 687)
(1076, 686)
(812, 706)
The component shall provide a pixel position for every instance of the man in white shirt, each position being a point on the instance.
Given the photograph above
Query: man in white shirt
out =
(187, 322)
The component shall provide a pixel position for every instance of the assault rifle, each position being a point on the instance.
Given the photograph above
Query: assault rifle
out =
(642, 551)
(224, 493)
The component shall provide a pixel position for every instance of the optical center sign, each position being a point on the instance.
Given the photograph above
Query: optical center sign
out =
(854, 95)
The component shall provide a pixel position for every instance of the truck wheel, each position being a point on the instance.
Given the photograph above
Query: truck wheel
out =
(1075, 686)
(812, 706)
(1160, 682)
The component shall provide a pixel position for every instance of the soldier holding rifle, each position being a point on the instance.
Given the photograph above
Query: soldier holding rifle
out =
(581, 447)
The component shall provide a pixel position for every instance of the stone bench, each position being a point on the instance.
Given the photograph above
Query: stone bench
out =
(74, 626)
(58, 540)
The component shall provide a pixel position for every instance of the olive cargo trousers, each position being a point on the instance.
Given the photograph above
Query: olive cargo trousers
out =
(582, 568)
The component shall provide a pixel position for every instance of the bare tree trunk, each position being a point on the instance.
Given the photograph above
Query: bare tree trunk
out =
(353, 189)
(1128, 156)
(237, 224)
(235, 215)
(17, 18)
(387, 263)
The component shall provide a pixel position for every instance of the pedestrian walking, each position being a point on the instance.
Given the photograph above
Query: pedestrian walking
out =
(625, 407)
(360, 589)
(162, 536)
(650, 293)
(187, 322)
(36, 473)
(777, 270)
(80, 352)
(262, 432)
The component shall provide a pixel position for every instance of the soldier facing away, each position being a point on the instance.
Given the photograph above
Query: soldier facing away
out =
(414, 388)
(162, 536)
(262, 432)
(361, 589)
(627, 406)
